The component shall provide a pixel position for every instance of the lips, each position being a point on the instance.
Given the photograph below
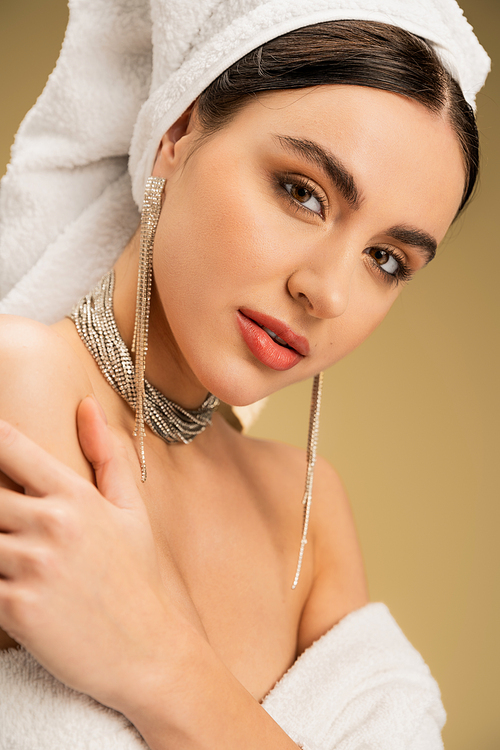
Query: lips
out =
(270, 340)
(299, 343)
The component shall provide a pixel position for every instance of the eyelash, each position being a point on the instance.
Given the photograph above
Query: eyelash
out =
(403, 274)
(302, 182)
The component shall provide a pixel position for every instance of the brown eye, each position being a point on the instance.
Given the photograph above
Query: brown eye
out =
(385, 260)
(304, 197)
(300, 193)
(381, 256)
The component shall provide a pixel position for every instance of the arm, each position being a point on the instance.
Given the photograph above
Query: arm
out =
(340, 585)
(362, 683)
(41, 384)
(73, 563)
(149, 662)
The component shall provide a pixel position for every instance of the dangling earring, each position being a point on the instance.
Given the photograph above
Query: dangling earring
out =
(312, 442)
(150, 215)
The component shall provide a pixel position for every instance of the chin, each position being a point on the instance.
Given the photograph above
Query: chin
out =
(238, 385)
(239, 399)
(243, 384)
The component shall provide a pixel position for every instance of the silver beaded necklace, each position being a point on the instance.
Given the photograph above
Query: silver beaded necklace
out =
(96, 326)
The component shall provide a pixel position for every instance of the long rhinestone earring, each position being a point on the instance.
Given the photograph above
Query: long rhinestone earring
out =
(150, 215)
(312, 442)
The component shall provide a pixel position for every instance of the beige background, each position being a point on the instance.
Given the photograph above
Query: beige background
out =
(410, 419)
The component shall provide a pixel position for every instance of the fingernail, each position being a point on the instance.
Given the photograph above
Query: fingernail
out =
(101, 410)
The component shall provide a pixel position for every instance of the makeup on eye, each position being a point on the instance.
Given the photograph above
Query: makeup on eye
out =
(328, 163)
(301, 193)
(342, 180)
(304, 196)
(391, 264)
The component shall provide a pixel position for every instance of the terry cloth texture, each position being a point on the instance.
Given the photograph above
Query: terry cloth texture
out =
(362, 686)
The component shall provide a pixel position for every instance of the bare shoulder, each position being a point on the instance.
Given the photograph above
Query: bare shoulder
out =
(339, 583)
(42, 381)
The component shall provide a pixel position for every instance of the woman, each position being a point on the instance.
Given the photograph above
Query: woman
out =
(247, 297)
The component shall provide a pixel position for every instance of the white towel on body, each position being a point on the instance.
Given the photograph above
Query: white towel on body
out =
(362, 686)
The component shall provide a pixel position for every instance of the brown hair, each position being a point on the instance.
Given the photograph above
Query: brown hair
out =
(360, 53)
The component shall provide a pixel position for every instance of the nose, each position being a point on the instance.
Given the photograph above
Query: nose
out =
(323, 288)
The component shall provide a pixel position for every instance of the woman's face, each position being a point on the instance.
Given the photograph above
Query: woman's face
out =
(306, 215)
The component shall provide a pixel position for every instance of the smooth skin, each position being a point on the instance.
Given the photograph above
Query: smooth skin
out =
(179, 613)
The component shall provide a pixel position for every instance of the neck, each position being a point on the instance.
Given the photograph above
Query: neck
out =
(166, 367)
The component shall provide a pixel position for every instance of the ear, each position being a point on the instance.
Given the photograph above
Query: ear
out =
(173, 145)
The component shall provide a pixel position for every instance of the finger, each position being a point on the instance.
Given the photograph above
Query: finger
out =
(114, 477)
(29, 465)
(13, 507)
(93, 433)
(15, 559)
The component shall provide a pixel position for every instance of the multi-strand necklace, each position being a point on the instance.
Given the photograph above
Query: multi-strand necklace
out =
(95, 322)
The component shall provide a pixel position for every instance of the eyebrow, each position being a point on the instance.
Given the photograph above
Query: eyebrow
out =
(329, 164)
(424, 243)
(343, 180)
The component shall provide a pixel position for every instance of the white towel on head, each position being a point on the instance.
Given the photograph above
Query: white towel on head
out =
(362, 686)
(66, 206)
(227, 31)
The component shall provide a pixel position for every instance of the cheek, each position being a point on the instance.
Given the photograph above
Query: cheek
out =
(212, 235)
(192, 246)
(368, 306)
(210, 247)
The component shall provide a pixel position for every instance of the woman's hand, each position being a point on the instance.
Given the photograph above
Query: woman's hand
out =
(80, 588)
(80, 585)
